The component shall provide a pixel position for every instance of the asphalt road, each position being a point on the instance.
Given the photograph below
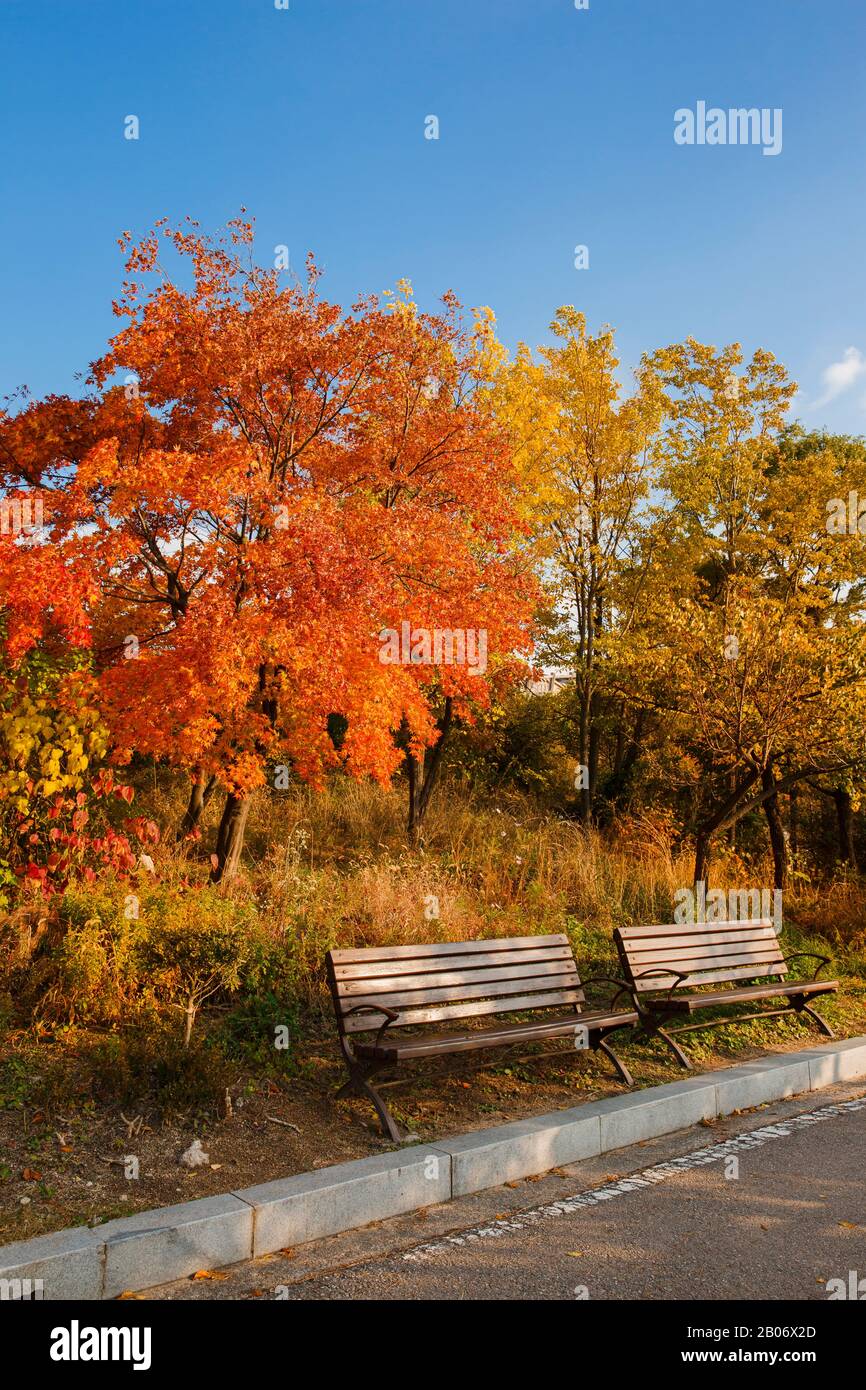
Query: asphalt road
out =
(766, 1206)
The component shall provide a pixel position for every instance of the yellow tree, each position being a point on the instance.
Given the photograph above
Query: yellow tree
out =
(817, 546)
(585, 454)
(764, 643)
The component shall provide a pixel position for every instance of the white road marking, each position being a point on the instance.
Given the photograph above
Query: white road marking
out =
(648, 1177)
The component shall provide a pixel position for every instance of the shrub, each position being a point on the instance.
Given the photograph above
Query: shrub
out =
(198, 944)
(93, 970)
(154, 1062)
(57, 811)
(116, 955)
(249, 1032)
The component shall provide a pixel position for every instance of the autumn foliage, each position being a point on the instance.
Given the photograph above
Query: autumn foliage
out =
(262, 500)
(257, 485)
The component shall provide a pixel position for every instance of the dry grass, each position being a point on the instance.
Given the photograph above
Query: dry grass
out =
(333, 869)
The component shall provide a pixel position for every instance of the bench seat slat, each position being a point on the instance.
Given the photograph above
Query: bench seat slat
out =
(666, 948)
(733, 942)
(690, 1003)
(444, 948)
(687, 962)
(435, 1044)
(704, 977)
(475, 960)
(446, 994)
(365, 1023)
(490, 979)
(665, 931)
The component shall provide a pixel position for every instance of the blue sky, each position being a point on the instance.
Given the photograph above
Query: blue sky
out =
(556, 129)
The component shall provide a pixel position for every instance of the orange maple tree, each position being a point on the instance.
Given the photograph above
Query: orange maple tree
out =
(258, 488)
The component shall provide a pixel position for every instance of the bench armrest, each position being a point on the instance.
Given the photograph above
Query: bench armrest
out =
(623, 985)
(809, 955)
(391, 1015)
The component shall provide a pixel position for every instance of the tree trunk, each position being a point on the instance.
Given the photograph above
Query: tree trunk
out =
(732, 828)
(776, 829)
(594, 748)
(414, 775)
(845, 824)
(200, 794)
(422, 774)
(740, 803)
(616, 789)
(794, 822)
(702, 856)
(619, 748)
(731, 809)
(583, 748)
(230, 837)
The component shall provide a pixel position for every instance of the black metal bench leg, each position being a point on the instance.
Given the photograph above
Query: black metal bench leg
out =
(675, 1048)
(621, 1067)
(389, 1125)
(821, 1022)
(359, 1084)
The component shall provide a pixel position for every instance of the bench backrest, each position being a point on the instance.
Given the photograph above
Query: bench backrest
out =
(453, 979)
(711, 953)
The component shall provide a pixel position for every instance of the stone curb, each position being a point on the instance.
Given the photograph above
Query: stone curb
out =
(155, 1247)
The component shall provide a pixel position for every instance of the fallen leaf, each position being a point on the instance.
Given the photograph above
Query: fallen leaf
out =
(127, 1294)
(31, 1175)
(208, 1274)
(849, 1225)
(575, 1254)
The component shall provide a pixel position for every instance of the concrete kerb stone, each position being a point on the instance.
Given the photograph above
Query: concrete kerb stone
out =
(658, 1110)
(309, 1206)
(154, 1247)
(64, 1265)
(489, 1157)
(835, 1062)
(757, 1083)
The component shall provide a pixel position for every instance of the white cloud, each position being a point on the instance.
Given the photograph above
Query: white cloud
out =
(841, 376)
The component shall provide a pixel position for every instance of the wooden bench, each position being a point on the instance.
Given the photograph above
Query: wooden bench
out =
(382, 990)
(666, 965)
